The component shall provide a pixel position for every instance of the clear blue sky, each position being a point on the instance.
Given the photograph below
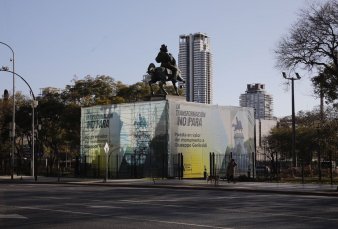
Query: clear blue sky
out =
(57, 40)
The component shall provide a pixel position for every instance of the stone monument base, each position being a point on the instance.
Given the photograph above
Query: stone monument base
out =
(166, 97)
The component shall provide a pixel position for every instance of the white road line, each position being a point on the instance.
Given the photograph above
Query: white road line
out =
(302, 216)
(173, 222)
(227, 209)
(52, 197)
(102, 206)
(92, 206)
(129, 201)
(140, 202)
(125, 217)
(12, 216)
(264, 214)
(63, 211)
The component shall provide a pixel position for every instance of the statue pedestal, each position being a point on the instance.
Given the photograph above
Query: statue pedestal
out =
(157, 98)
(166, 97)
(175, 97)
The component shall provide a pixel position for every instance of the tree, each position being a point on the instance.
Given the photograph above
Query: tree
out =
(70, 124)
(91, 91)
(24, 133)
(314, 140)
(325, 85)
(279, 139)
(312, 41)
(23, 130)
(51, 136)
(135, 92)
(5, 143)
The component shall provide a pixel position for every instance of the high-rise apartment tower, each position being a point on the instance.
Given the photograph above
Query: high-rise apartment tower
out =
(256, 97)
(195, 63)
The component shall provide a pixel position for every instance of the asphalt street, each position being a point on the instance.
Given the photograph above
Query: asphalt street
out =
(27, 205)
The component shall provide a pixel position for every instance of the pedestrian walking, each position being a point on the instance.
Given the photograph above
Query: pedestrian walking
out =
(231, 170)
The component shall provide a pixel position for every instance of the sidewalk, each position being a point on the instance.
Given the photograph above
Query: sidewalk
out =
(262, 187)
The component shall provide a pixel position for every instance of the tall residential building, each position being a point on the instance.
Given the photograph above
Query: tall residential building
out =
(256, 97)
(195, 63)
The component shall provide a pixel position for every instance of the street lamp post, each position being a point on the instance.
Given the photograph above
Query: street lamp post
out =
(34, 104)
(13, 117)
(294, 163)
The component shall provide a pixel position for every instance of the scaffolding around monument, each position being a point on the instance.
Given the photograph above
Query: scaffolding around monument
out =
(145, 138)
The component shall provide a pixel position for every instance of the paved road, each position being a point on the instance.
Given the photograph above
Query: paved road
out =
(81, 206)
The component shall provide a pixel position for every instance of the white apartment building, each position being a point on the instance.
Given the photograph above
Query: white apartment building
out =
(195, 63)
(255, 96)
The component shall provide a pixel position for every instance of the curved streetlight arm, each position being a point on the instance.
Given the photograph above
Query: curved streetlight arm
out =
(31, 91)
(9, 48)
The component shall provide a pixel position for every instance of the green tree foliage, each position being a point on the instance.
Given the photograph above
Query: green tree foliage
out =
(91, 91)
(23, 130)
(51, 136)
(70, 123)
(133, 93)
(23, 123)
(326, 85)
(310, 135)
(5, 143)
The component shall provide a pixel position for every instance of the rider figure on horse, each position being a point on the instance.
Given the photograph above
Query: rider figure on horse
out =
(167, 61)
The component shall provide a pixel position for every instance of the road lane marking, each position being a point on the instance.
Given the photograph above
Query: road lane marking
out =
(140, 202)
(102, 206)
(92, 206)
(173, 222)
(12, 216)
(263, 214)
(52, 197)
(63, 211)
(125, 217)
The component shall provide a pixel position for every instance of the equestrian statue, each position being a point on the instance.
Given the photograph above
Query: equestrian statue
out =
(168, 71)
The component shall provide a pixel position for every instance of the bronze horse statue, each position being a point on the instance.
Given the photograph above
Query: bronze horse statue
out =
(162, 75)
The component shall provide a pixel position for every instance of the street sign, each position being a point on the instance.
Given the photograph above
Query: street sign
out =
(106, 148)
